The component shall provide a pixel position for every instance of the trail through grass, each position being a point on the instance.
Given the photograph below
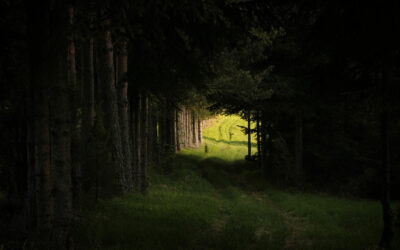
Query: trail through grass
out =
(216, 200)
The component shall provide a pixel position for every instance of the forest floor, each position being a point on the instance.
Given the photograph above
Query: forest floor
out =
(217, 200)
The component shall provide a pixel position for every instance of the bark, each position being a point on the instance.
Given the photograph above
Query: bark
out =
(75, 128)
(194, 127)
(61, 130)
(153, 145)
(178, 130)
(387, 213)
(124, 112)
(172, 127)
(298, 155)
(42, 162)
(183, 128)
(137, 140)
(164, 131)
(144, 135)
(249, 135)
(258, 128)
(189, 128)
(264, 144)
(30, 156)
(88, 108)
(40, 173)
(200, 132)
(106, 79)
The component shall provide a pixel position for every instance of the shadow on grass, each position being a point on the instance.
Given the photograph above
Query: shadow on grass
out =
(223, 174)
(233, 143)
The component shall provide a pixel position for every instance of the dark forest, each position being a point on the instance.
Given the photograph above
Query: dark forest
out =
(199, 124)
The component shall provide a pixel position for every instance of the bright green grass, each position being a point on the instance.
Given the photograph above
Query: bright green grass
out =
(225, 140)
(216, 200)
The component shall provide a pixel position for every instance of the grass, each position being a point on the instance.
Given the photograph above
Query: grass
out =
(216, 200)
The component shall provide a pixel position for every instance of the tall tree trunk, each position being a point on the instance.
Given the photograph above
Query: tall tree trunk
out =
(387, 213)
(124, 111)
(298, 152)
(106, 78)
(174, 130)
(183, 127)
(189, 127)
(75, 117)
(264, 144)
(88, 107)
(249, 135)
(144, 134)
(30, 156)
(178, 130)
(137, 140)
(61, 131)
(40, 197)
(42, 163)
(258, 128)
(194, 127)
(200, 132)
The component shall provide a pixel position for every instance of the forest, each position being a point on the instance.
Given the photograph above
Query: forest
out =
(199, 124)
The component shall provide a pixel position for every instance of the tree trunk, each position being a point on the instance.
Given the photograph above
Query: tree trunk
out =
(61, 131)
(124, 112)
(137, 140)
(249, 135)
(173, 130)
(298, 152)
(178, 130)
(42, 160)
(30, 156)
(75, 118)
(388, 232)
(40, 198)
(258, 128)
(200, 132)
(264, 144)
(144, 134)
(88, 112)
(194, 127)
(106, 79)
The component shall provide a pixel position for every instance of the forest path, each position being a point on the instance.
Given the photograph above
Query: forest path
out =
(229, 143)
(295, 224)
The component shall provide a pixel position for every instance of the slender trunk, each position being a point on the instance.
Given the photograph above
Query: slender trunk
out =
(106, 79)
(249, 135)
(200, 131)
(88, 112)
(61, 131)
(258, 128)
(388, 232)
(137, 140)
(189, 128)
(178, 130)
(194, 127)
(42, 162)
(173, 130)
(40, 197)
(264, 142)
(30, 156)
(144, 134)
(75, 128)
(183, 127)
(124, 112)
(298, 152)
